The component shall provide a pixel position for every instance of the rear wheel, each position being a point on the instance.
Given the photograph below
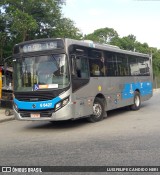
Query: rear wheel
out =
(98, 111)
(137, 102)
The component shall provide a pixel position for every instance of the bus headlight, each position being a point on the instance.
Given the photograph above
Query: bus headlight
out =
(61, 103)
(58, 106)
(65, 101)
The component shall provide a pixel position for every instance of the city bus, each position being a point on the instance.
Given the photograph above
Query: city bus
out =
(61, 79)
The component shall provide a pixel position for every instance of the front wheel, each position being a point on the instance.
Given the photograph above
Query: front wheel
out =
(137, 102)
(98, 111)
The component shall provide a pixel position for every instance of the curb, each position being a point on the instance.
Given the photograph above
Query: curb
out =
(6, 119)
(156, 90)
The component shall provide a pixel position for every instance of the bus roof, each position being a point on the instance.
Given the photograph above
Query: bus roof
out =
(107, 47)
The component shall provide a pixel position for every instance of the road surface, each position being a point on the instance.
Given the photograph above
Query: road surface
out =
(125, 138)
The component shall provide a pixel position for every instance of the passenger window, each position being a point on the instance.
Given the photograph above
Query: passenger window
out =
(144, 66)
(133, 65)
(110, 64)
(96, 63)
(122, 65)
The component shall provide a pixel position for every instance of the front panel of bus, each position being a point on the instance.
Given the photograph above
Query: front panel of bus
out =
(41, 81)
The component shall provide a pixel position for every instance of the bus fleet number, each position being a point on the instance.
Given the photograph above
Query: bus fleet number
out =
(45, 105)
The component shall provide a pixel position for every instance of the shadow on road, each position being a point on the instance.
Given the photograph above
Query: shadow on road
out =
(60, 125)
(70, 124)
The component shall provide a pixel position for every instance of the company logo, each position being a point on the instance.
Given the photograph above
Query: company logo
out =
(33, 106)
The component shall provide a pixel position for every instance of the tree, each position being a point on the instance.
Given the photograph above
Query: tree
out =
(66, 29)
(22, 24)
(24, 16)
(156, 61)
(156, 65)
(142, 47)
(127, 42)
(2, 36)
(103, 35)
(30, 19)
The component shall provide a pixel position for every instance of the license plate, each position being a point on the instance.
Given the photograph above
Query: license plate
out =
(35, 115)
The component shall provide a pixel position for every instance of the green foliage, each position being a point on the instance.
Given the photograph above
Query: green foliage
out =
(156, 61)
(22, 20)
(104, 35)
(22, 24)
(4, 38)
(143, 48)
(128, 42)
(67, 29)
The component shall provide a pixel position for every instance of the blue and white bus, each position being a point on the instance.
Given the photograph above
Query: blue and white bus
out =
(61, 79)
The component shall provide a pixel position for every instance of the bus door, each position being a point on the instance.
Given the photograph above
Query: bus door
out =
(80, 79)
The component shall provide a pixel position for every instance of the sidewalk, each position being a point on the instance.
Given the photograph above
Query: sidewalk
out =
(156, 90)
(3, 117)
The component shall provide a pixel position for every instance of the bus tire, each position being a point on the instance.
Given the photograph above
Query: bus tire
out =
(137, 102)
(98, 111)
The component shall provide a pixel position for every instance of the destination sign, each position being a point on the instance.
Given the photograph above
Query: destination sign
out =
(49, 45)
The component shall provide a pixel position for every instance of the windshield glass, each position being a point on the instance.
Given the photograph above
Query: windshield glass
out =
(41, 72)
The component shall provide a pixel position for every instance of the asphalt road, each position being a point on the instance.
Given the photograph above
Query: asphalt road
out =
(125, 138)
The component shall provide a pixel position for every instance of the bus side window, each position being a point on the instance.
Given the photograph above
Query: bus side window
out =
(97, 67)
(110, 63)
(94, 68)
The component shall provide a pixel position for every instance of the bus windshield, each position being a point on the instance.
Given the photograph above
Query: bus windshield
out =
(41, 72)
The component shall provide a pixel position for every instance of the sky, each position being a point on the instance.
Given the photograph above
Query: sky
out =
(138, 17)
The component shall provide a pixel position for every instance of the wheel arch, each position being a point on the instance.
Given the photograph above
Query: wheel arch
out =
(137, 90)
(102, 97)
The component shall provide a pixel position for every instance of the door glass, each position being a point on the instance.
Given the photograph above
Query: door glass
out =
(82, 69)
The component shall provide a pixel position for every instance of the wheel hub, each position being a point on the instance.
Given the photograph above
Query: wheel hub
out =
(97, 110)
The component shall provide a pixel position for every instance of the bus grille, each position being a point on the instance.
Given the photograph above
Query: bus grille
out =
(34, 97)
(39, 95)
(43, 113)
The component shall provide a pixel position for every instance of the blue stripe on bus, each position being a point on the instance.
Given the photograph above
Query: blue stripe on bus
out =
(38, 105)
(145, 88)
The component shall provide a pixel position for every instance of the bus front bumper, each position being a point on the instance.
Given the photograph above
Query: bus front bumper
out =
(64, 113)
